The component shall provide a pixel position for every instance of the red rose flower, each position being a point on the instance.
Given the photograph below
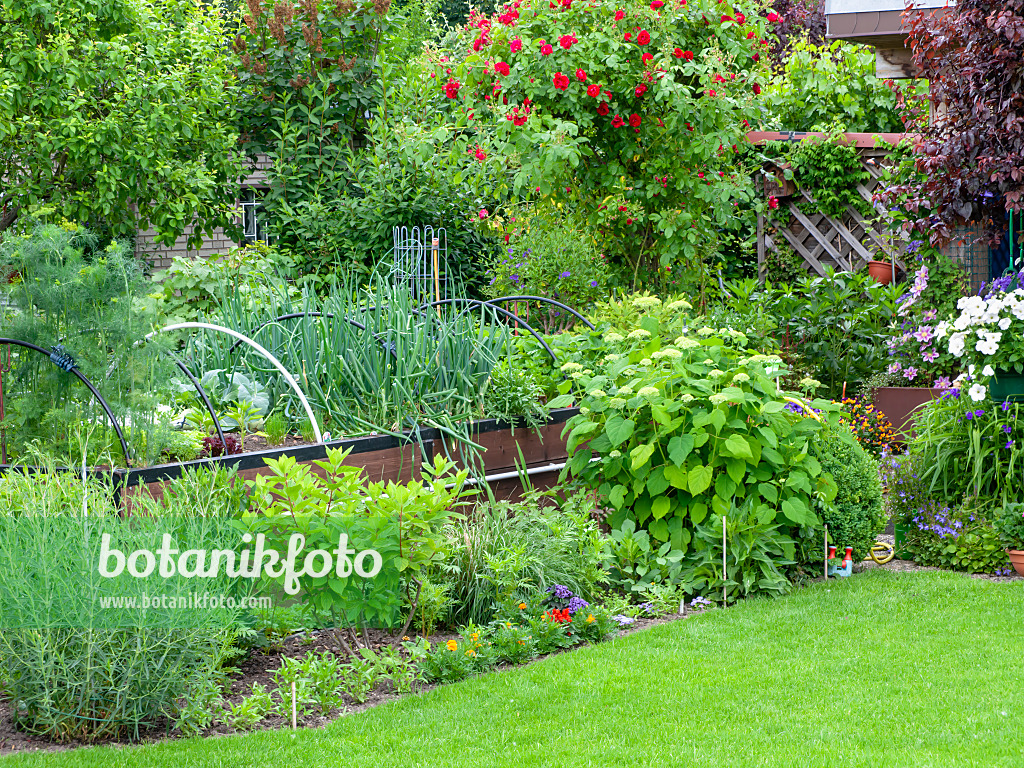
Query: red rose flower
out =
(501, 68)
(515, 44)
(581, 75)
(622, 208)
(640, 90)
(688, 55)
(678, 53)
(750, 35)
(593, 90)
(718, 79)
(711, 92)
(618, 122)
(643, 37)
(546, 50)
(757, 89)
(634, 120)
(627, 37)
(629, 222)
(656, 4)
(773, 203)
(619, 15)
(740, 18)
(700, 174)
(451, 88)
(757, 57)
(774, 17)
(566, 41)
(602, 108)
(480, 154)
(726, 18)
(561, 81)
(647, 57)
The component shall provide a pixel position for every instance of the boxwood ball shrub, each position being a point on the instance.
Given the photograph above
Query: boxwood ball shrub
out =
(856, 515)
(670, 434)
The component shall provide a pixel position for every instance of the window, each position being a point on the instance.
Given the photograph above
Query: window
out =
(254, 220)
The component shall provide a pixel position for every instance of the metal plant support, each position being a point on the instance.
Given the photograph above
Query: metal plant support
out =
(5, 367)
(418, 258)
(60, 358)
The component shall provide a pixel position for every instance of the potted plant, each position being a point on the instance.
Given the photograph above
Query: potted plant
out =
(882, 271)
(1009, 525)
(988, 336)
(920, 364)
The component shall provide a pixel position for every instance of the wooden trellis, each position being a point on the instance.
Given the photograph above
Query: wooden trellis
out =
(845, 243)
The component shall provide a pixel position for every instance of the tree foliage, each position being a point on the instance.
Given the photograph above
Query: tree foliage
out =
(116, 112)
(972, 152)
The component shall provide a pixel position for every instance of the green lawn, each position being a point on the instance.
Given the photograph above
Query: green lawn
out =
(883, 669)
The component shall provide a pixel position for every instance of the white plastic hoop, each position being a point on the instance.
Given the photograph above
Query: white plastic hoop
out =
(273, 361)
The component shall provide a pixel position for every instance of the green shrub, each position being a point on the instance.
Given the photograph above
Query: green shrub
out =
(670, 434)
(856, 515)
(1009, 525)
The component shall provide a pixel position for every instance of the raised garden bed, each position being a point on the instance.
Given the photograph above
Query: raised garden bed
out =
(391, 458)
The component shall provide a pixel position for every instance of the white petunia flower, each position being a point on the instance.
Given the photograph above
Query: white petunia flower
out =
(977, 392)
(988, 371)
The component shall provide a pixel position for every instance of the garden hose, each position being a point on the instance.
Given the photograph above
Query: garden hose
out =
(882, 553)
(804, 407)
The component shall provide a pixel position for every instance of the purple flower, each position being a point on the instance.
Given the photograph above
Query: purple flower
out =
(560, 591)
(1007, 429)
(910, 373)
(924, 334)
(564, 274)
(514, 278)
(979, 413)
(895, 368)
(943, 382)
(930, 315)
(1005, 406)
(930, 356)
(593, 283)
(1009, 443)
(576, 603)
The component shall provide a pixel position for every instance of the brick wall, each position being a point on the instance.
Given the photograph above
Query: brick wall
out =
(161, 256)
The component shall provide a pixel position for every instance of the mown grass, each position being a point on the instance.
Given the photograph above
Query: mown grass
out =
(883, 669)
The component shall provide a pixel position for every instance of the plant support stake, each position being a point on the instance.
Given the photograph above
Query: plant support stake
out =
(723, 562)
(826, 551)
(294, 724)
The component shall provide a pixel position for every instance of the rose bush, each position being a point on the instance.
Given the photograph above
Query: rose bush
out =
(630, 112)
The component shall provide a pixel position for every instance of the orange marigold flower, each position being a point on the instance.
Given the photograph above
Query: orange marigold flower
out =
(452, 645)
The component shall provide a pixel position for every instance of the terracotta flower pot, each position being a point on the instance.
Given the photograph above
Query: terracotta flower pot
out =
(881, 271)
(1017, 559)
(899, 404)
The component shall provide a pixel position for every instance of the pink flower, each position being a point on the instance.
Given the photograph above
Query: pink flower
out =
(656, 4)
(515, 44)
(480, 154)
(483, 213)
(546, 50)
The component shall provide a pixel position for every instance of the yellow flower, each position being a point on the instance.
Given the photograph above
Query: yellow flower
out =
(475, 636)
(508, 625)
(452, 645)
(471, 653)
(590, 618)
